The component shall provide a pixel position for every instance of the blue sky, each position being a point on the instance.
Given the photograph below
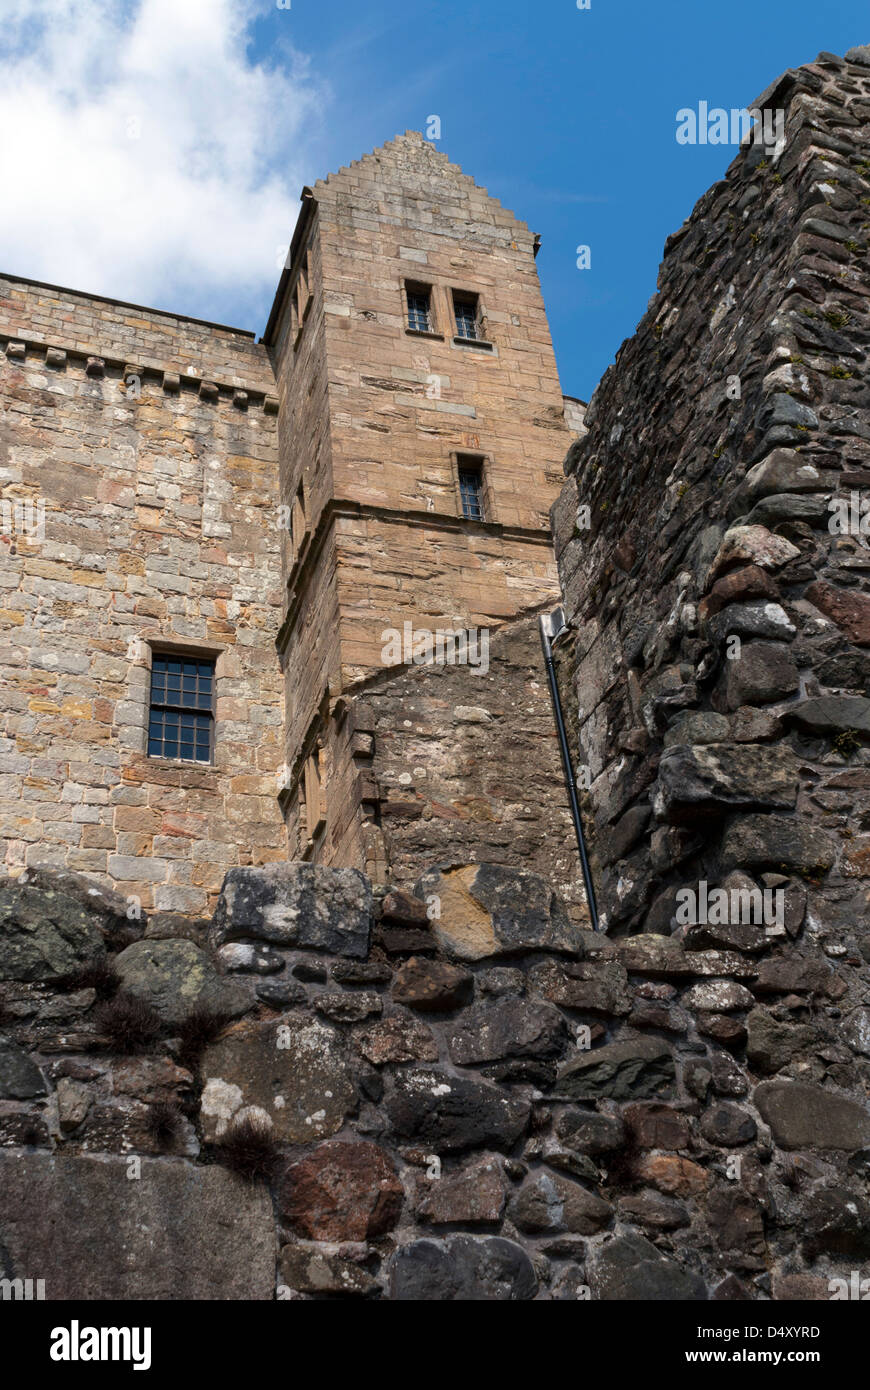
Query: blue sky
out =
(567, 116)
(166, 141)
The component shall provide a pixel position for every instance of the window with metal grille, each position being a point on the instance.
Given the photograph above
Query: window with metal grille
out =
(465, 308)
(471, 489)
(419, 314)
(181, 715)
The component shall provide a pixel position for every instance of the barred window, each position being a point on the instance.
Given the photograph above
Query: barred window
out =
(471, 489)
(181, 715)
(419, 310)
(465, 307)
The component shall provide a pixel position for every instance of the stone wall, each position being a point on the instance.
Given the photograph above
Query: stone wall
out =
(458, 1095)
(151, 442)
(454, 764)
(717, 676)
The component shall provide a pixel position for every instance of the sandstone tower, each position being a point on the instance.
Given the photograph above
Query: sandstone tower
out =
(420, 437)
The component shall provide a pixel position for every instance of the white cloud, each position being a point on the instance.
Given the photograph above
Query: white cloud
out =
(145, 156)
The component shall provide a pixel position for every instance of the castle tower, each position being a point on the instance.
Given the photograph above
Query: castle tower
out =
(421, 434)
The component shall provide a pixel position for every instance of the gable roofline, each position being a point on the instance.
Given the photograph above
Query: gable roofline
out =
(310, 202)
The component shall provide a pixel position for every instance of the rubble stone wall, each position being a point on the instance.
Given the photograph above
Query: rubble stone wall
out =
(457, 764)
(714, 559)
(337, 1093)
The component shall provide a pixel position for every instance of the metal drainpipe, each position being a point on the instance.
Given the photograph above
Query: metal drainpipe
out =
(552, 626)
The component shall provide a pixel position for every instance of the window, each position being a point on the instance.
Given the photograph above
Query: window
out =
(419, 308)
(297, 519)
(181, 717)
(303, 293)
(311, 798)
(471, 488)
(466, 308)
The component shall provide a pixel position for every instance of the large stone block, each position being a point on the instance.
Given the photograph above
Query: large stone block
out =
(462, 1268)
(176, 977)
(632, 1068)
(296, 905)
(453, 1113)
(630, 1268)
(91, 1231)
(294, 1071)
(804, 1116)
(715, 777)
(487, 910)
(45, 932)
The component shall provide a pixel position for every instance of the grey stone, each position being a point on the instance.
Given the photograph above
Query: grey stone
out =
(453, 1113)
(783, 409)
(665, 958)
(823, 226)
(176, 977)
(720, 776)
(772, 1045)
(778, 842)
(750, 620)
(718, 996)
(245, 955)
(311, 1270)
(45, 932)
(590, 1132)
(551, 1203)
(506, 1028)
(294, 1070)
(462, 1268)
(351, 1006)
(837, 1223)
(632, 1068)
(296, 905)
(20, 1077)
(598, 987)
(630, 1268)
(856, 1031)
(763, 672)
(726, 1124)
(832, 714)
(654, 1211)
(180, 1232)
(694, 726)
(804, 1116)
(785, 506)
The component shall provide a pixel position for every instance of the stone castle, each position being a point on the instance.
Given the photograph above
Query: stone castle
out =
(384, 459)
(333, 938)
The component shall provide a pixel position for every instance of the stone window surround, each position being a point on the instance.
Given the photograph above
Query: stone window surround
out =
(301, 297)
(441, 298)
(144, 648)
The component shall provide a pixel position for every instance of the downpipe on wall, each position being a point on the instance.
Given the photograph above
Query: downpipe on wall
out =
(552, 627)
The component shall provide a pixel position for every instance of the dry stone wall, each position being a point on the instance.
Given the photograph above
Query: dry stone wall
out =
(712, 543)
